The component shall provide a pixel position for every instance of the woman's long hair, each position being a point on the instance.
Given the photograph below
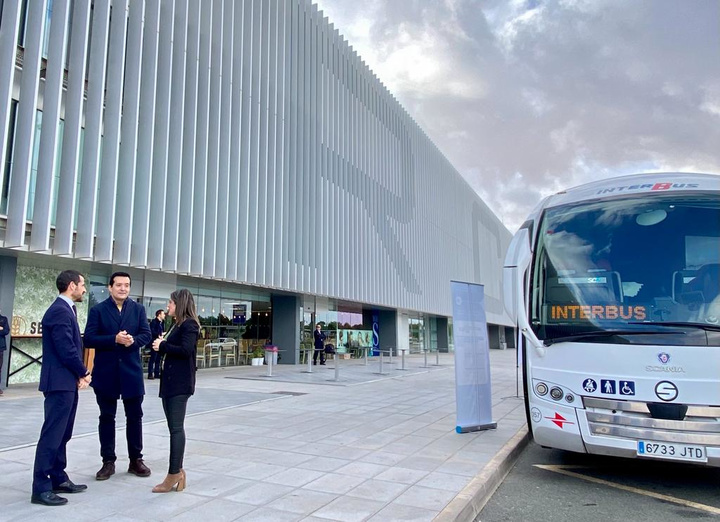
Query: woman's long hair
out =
(184, 306)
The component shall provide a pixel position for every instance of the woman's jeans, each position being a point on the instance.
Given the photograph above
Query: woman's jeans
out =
(175, 414)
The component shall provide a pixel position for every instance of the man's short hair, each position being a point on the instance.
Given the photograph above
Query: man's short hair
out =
(65, 278)
(119, 274)
(159, 312)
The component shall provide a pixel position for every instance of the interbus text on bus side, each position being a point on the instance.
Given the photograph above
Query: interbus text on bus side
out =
(610, 312)
(648, 186)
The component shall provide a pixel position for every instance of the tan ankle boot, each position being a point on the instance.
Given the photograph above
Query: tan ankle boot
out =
(171, 480)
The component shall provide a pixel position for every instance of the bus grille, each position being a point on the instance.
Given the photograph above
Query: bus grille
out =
(629, 419)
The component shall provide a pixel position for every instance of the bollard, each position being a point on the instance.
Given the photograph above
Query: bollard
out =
(390, 361)
(402, 359)
(337, 366)
(425, 364)
(270, 354)
(366, 355)
(381, 363)
(309, 361)
(437, 357)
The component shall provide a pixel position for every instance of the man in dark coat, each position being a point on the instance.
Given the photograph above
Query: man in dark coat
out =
(157, 328)
(4, 330)
(319, 341)
(62, 374)
(118, 328)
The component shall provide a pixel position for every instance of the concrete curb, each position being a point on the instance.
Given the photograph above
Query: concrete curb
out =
(469, 502)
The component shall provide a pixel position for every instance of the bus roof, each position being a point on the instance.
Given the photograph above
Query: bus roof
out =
(656, 182)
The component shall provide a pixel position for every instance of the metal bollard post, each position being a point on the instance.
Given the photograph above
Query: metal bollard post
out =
(309, 361)
(381, 363)
(337, 366)
(425, 364)
(366, 355)
(390, 361)
(402, 359)
(269, 357)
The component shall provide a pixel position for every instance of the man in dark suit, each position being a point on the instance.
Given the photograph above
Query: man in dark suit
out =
(319, 340)
(118, 328)
(4, 330)
(62, 374)
(157, 327)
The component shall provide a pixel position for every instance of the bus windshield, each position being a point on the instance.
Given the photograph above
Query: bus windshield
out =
(628, 263)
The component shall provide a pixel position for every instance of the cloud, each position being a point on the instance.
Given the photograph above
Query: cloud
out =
(526, 97)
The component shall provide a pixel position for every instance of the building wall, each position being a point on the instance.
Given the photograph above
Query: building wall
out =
(235, 140)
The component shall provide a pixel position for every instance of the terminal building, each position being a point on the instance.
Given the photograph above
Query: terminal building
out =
(238, 148)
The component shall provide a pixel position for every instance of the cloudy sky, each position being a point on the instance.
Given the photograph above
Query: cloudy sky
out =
(526, 97)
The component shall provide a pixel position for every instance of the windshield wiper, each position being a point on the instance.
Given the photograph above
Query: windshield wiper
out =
(675, 324)
(605, 333)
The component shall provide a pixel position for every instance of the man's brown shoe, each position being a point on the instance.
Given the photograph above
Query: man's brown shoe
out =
(107, 471)
(138, 467)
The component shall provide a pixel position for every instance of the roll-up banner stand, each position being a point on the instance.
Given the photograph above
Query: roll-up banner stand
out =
(473, 393)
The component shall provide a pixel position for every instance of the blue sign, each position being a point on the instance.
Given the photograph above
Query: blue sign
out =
(375, 331)
(627, 388)
(589, 385)
(607, 386)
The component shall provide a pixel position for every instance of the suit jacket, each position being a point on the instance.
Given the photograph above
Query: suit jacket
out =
(319, 340)
(62, 363)
(3, 333)
(179, 349)
(156, 330)
(117, 370)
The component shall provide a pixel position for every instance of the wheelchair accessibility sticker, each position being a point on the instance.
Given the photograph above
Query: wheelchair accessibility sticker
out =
(626, 388)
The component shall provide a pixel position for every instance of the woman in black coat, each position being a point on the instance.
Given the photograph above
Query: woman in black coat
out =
(177, 380)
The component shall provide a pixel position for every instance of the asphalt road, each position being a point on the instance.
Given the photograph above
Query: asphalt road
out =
(577, 488)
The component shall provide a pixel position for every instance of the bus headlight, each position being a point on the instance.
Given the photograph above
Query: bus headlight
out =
(556, 393)
(541, 389)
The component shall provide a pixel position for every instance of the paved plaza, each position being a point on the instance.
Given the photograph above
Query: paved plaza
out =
(296, 446)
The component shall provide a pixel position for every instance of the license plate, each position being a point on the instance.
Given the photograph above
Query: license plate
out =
(665, 450)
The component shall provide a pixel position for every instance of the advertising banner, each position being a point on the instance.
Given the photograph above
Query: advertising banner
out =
(473, 392)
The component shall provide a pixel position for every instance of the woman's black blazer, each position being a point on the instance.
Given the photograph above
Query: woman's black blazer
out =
(179, 349)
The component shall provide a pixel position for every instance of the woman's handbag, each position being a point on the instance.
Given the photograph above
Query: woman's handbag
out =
(329, 348)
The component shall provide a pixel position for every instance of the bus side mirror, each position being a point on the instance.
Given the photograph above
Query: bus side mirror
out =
(517, 262)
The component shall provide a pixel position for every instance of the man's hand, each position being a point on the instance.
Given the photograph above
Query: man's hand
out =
(84, 382)
(124, 338)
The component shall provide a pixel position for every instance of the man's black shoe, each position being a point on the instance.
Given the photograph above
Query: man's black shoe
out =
(47, 498)
(69, 487)
(322, 364)
(138, 467)
(107, 470)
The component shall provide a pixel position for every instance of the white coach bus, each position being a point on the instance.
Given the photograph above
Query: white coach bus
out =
(615, 286)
